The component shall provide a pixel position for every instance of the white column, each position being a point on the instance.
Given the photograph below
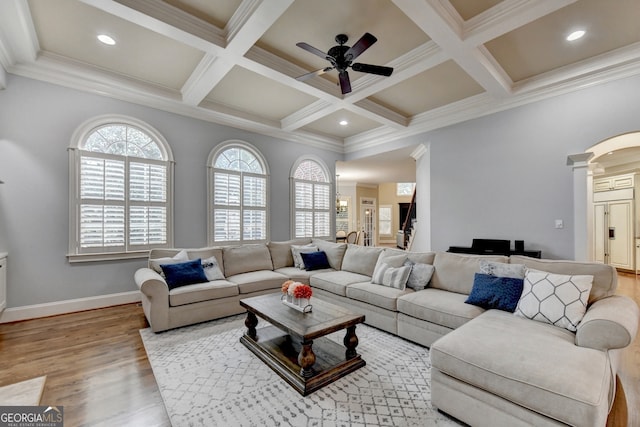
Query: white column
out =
(582, 200)
(422, 233)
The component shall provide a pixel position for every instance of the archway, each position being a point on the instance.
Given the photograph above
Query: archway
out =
(613, 156)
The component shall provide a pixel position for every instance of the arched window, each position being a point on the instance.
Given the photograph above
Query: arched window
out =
(238, 198)
(311, 195)
(121, 201)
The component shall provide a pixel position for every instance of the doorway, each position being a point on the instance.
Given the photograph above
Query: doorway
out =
(369, 220)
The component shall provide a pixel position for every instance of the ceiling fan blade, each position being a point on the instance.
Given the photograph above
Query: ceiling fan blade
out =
(345, 83)
(360, 46)
(372, 69)
(314, 50)
(313, 74)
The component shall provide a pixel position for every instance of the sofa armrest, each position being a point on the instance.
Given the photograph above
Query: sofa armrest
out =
(609, 323)
(152, 284)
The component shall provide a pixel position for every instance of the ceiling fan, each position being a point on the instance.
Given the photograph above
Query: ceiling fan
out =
(341, 57)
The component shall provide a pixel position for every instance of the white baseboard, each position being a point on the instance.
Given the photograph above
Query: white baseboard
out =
(26, 312)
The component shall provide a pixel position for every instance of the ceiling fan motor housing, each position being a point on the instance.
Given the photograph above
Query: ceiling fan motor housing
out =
(337, 58)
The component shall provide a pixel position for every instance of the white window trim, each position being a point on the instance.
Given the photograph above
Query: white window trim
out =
(210, 174)
(79, 136)
(292, 196)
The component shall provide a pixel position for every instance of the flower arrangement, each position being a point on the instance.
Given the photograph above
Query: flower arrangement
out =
(297, 289)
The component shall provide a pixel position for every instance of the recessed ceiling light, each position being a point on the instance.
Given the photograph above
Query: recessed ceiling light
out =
(343, 122)
(575, 35)
(106, 39)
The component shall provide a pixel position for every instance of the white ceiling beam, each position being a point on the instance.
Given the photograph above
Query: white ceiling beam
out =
(412, 63)
(256, 17)
(164, 19)
(506, 16)
(446, 29)
(618, 60)
(309, 114)
(18, 38)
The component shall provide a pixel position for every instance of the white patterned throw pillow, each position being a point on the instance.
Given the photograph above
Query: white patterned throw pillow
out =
(178, 258)
(501, 269)
(296, 250)
(558, 299)
(212, 269)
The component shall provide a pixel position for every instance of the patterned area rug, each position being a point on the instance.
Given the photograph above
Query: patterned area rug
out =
(25, 393)
(207, 378)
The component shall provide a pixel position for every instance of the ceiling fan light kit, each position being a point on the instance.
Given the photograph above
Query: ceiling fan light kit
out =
(342, 56)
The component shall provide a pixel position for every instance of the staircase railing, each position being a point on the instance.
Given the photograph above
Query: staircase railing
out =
(406, 225)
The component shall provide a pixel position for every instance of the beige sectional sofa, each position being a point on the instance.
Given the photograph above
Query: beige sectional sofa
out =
(489, 367)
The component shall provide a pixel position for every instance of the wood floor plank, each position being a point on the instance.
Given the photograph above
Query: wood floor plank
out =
(97, 367)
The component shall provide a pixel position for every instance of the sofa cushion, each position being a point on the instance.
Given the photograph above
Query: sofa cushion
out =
(335, 252)
(184, 273)
(315, 260)
(202, 292)
(501, 293)
(255, 281)
(336, 282)
(281, 252)
(440, 307)
(380, 296)
(455, 272)
(298, 275)
(605, 277)
(558, 299)
(417, 257)
(531, 364)
(361, 259)
(246, 258)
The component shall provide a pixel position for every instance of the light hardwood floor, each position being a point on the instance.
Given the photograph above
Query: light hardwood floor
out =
(98, 370)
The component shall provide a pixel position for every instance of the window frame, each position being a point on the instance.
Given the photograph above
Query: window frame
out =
(331, 202)
(76, 153)
(381, 221)
(211, 170)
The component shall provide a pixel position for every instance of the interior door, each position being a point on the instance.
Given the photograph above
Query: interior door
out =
(368, 218)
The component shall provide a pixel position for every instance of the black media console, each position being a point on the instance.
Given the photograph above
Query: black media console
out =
(495, 247)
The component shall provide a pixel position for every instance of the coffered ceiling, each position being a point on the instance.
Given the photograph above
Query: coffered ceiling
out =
(234, 62)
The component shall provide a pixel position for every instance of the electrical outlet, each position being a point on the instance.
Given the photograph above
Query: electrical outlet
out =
(559, 223)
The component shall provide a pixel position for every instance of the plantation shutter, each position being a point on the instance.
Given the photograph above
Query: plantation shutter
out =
(147, 203)
(239, 206)
(117, 214)
(312, 209)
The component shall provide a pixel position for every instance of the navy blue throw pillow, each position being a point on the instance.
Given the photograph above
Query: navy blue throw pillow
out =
(315, 260)
(184, 273)
(501, 293)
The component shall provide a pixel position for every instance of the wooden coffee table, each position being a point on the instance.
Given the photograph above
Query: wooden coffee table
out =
(294, 344)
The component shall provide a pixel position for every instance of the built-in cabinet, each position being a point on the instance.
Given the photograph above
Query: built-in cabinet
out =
(613, 183)
(614, 214)
(3, 281)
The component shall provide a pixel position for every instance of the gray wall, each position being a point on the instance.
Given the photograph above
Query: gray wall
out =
(37, 121)
(500, 176)
(505, 175)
